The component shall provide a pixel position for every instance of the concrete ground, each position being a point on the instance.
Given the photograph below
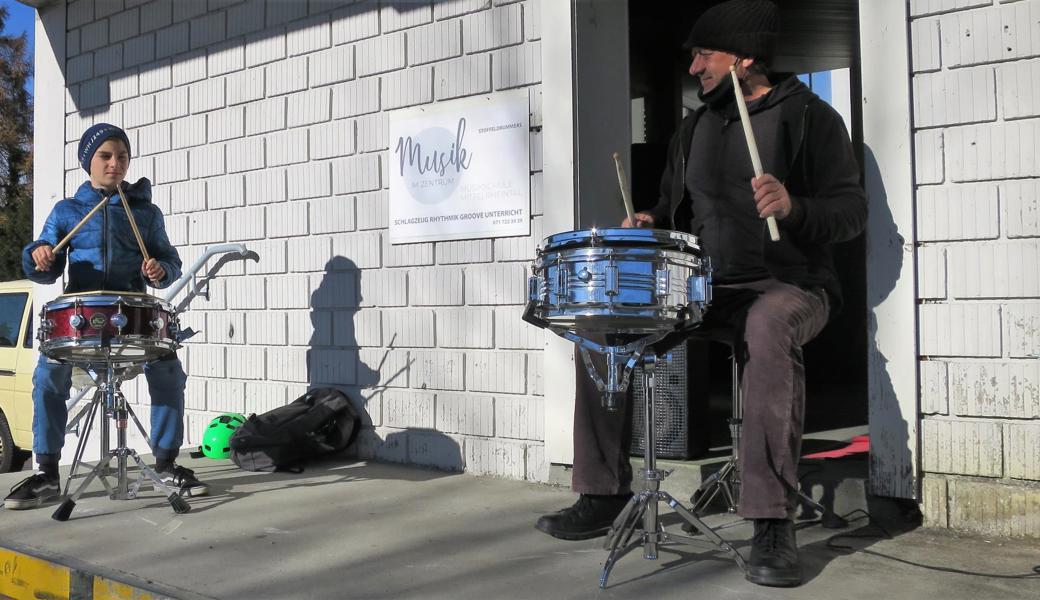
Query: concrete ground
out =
(370, 530)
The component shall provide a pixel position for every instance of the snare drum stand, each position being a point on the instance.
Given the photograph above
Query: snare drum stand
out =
(643, 506)
(109, 400)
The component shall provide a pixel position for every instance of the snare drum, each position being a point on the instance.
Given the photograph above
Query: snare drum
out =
(124, 327)
(619, 280)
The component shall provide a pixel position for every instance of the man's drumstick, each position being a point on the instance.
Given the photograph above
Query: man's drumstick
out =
(65, 240)
(756, 162)
(133, 225)
(625, 195)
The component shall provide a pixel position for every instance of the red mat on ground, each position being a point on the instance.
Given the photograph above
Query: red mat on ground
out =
(858, 445)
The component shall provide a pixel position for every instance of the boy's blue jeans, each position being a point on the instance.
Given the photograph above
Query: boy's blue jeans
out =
(52, 382)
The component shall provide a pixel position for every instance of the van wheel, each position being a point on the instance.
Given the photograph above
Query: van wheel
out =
(7, 449)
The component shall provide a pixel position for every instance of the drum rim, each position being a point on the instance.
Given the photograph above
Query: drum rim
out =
(658, 237)
(97, 299)
(47, 347)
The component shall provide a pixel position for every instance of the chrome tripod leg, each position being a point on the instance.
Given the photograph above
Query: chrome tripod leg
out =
(621, 533)
(703, 528)
(180, 505)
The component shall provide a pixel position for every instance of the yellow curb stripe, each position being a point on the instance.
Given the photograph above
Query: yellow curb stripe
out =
(106, 589)
(24, 577)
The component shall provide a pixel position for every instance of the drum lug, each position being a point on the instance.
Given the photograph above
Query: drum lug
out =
(535, 289)
(698, 290)
(610, 273)
(664, 282)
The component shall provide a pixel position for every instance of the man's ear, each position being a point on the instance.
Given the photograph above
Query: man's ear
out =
(745, 63)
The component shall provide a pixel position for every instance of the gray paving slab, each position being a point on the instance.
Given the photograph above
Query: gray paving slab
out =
(371, 530)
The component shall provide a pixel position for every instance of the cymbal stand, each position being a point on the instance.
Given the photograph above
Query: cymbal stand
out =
(643, 506)
(112, 405)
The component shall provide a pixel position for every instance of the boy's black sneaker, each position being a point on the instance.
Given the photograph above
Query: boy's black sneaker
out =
(33, 491)
(183, 480)
(774, 554)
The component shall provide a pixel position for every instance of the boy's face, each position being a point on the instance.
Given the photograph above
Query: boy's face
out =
(109, 165)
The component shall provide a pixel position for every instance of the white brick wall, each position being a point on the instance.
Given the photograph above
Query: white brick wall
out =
(977, 118)
(267, 123)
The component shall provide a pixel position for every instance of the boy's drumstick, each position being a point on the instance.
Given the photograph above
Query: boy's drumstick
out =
(133, 225)
(756, 162)
(625, 195)
(65, 240)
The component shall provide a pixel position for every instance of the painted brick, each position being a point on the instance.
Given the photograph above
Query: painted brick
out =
(287, 147)
(519, 417)
(306, 253)
(204, 228)
(927, 7)
(287, 364)
(264, 48)
(411, 328)
(208, 30)
(355, 22)
(466, 413)
(138, 51)
(977, 332)
(333, 366)
(289, 291)
(183, 11)
(356, 174)
(287, 76)
(333, 139)
(334, 290)
(931, 271)
(1021, 200)
(205, 361)
(308, 328)
(1018, 89)
(94, 93)
(928, 156)
(407, 88)
(537, 463)
(1009, 390)
(534, 99)
(123, 85)
(463, 77)
(226, 395)
(279, 12)
(245, 224)
(434, 449)
(962, 447)
(360, 250)
(496, 284)
(355, 98)
(80, 68)
(190, 131)
(108, 60)
(934, 501)
(408, 409)
(533, 20)
(396, 16)
(226, 192)
(245, 18)
(996, 270)
(406, 255)
(177, 229)
(308, 36)
(496, 372)
(491, 29)
(226, 327)
(517, 66)
(265, 116)
(225, 58)
(285, 220)
(172, 166)
(189, 68)
(265, 327)
(332, 215)
(990, 34)
(245, 292)
(513, 333)
(94, 36)
(1022, 450)
(245, 154)
(373, 132)
(262, 396)
(207, 161)
(245, 86)
(520, 248)
(195, 394)
(312, 106)
(373, 210)
(435, 42)
(272, 257)
(495, 457)
(934, 388)
(383, 287)
(454, 8)
(311, 180)
(331, 66)
(535, 373)
(960, 212)
(155, 15)
(267, 186)
(993, 509)
(436, 370)
(225, 124)
(1023, 326)
(463, 252)
(388, 445)
(138, 112)
(534, 147)
(383, 367)
(436, 287)
(954, 97)
(357, 328)
(993, 151)
(381, 54)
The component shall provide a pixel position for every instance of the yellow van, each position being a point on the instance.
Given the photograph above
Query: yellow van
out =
(17, 362)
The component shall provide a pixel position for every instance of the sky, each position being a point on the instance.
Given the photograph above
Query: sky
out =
(20, 18)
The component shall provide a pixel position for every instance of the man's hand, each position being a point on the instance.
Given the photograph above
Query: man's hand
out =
(771, 197)
(640, 220)
(43, 256)
(153, 270)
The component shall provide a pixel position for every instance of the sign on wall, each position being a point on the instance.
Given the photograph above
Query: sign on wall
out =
(461, 170)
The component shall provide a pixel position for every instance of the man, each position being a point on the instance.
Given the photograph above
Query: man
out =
(104, 255)
(811, 186)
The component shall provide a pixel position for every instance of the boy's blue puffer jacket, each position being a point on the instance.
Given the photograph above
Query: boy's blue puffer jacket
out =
(103, 255)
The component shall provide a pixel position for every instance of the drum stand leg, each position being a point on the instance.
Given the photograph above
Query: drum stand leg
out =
(111, 402)
(643, 507)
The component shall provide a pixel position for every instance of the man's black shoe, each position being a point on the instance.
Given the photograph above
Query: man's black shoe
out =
(33, 491)
(774, 554)
(591, 516)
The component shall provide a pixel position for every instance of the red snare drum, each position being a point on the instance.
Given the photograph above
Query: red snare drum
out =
(124, 327)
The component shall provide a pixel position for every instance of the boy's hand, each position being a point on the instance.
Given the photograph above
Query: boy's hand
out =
(43, 256)
(153, 270)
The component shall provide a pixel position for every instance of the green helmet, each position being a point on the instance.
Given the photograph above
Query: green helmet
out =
(216, 441)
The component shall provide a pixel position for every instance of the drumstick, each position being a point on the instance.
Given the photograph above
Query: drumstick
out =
(626, 197)
(65, 240)
(133, 225)
(756, 162)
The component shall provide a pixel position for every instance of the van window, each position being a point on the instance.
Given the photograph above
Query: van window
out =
(12, 307)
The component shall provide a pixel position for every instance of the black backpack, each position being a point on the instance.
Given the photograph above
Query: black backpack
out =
(321, 421)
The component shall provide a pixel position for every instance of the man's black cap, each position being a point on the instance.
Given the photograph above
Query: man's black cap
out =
(747, 28)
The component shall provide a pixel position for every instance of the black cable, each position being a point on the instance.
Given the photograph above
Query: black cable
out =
(885, 535)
